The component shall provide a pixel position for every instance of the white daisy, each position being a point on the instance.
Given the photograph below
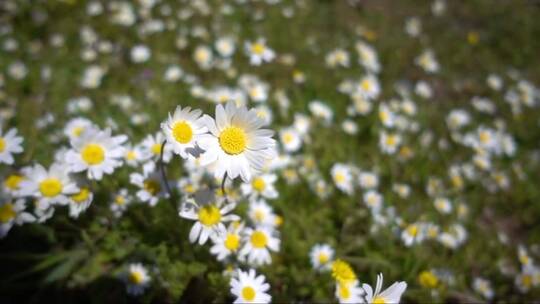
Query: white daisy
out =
(321, 256)
(342, 176)
(151, 186)
(135, 155)
(152, 145)
(390, 296)
(53, 186)
(228, 243)
(12, 183)
(209, 218)
(97, 152)
(10, 144)
(120, 202)
(250, 288)
(389, 142)
(80, 201)
(261, 213)
(76, 127)
(137, 279)
(350, 292)
(12, 213)
(236, 145)
(290, 139)
(182, 130)
(258, 244)
(259, 52)
(261, 186)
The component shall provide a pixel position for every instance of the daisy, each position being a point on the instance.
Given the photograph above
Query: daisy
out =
(203, 57)
(12, 183)
(210, 218)
(391, 295)
(13, 213)
(236, 145)
(483, 287)
(140, 53)
(261, 214)
(443, 205)
(350, 293)
(182, 130)
(80, 201)
(290, 139)
(250, 288)
(321, 110)
(135, 155)
(137, 279)
(259, 52)
(10, 144)
(457, 118)
(53, 186)
(225, 46)
(389, 142)
(386, 116)
(368, 57)
(428, 62)
(338, 57)
(261, 186)
(151, 186)
(342, 176)
(321, 256)
(97, 152)
(75, 127)
(120, 202)
(368, 87)
(368, 180)
(227, 243)
(258, 243)
(152, 145)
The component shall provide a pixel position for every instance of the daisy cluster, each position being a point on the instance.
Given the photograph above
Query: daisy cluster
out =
(211, 151)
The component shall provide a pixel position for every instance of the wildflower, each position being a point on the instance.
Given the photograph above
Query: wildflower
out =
(248, 287)
(259, 52)
(258, 243)
(137, 279)
(10, 144)
(321, 256)
(391, 295)
(182, 130)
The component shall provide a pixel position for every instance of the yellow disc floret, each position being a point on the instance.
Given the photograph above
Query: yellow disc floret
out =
(209, 215)
(2, 144)
(82, 196)
(7, 213)
(182, 132)
(258, 239)
(93, 154)
(248, 293)
(233, 140)
(258, 184)
(232, 242)
(50, 187)
(342, 272)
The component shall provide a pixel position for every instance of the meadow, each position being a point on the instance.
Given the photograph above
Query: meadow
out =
(255, 151)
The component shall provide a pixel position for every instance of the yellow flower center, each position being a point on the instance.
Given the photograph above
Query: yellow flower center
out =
(77, 131)
(428, 279)
(391, 140)
(152, 186)
(7, 213)
(12, 181)
(412, 230)
(323, 258)
(257, 48)
(182, 132)
(344, 291)
(233, 140)
(288, 138)
(93, 154)
(156, 149)
(130, 155)
(343, 272)
(258, 184)
(50, 187)
(2, 144)
(136, 277)
(209, 215)
(340, 177)
(526, 280)
(248, 293)
(378, 300)
(82, 196)
(259, 215)
(366, 85)
(384, 116)
(258, 239)
(120, 200)
(232, 242)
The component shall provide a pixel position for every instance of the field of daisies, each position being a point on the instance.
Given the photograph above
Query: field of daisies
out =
(257, 151)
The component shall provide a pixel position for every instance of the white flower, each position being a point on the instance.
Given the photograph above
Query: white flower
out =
(51, 186)
(140, 53)
(261, 214)
(427, 62)
(97, 152)
(77, 126)
(368, 180)
(321, 256)
(250, 288)
(236, 145)
(13, 213)
(261, 186)
(135, 155)
(225, 46)
(368, 87)
(443, 205)
(337, 57)
(228, 243)
(209, 218)
(173, 73)
(258, 52)
(412, 234)
(373, 200)
(182, 130)
(368, 57)
(321, 110)
(137, 279)
(10, 144)
(80, 201)
(257, 246)
(152, 145)
(342, 176)
(203, 57)
(290, 139)
(483, 287)
(92, 76)
(350, 292)
(389, 142)
(391, 295)
(151, 186)
(120, 202)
